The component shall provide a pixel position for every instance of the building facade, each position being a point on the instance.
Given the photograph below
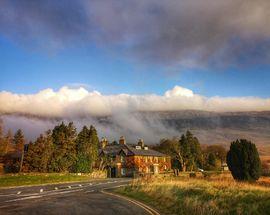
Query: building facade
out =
(124, 159)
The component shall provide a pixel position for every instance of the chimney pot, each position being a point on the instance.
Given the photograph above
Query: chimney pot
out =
(122, 140)
(141, 143)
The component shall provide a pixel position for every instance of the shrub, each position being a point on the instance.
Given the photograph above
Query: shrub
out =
(243, 161)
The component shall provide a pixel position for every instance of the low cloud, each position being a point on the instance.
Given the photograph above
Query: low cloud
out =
(69, 102)
(134, 116)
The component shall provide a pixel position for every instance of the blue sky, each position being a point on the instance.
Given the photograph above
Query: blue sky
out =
(27, 71)
(127, 48)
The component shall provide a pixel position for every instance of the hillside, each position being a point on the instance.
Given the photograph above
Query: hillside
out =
(210, 127)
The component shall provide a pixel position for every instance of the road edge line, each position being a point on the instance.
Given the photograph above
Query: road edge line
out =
(138, 203)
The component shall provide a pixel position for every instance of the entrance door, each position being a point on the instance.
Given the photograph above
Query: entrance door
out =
(113, 172)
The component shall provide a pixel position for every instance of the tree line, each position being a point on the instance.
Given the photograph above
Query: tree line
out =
(187, 154)
(61, 149)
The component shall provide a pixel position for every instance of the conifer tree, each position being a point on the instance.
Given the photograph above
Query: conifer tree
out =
(243, 160)
(189, 152)
(87, 149)
(19, 142)
(64, 151)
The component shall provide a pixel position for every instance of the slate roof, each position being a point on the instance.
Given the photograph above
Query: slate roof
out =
(112, 149)
(128, 149)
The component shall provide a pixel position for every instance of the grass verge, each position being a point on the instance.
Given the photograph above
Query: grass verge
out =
(11, 180)
(201, 196)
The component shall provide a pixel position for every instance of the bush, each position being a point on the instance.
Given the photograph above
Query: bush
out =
(243, 161)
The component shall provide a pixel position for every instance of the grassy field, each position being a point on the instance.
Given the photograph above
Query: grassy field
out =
(215, 195)
(10, 180)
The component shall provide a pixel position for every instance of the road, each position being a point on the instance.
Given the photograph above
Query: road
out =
(72, 198)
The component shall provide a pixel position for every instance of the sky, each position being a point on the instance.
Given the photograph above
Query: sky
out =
(216, 49)
(79, 60)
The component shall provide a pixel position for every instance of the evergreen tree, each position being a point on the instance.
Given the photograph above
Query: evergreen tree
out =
(87, 149)
(64, 151)
(29, 163)
(189, 152)
(19, 141)
(94, 144)
(184, 154)
(243, 160)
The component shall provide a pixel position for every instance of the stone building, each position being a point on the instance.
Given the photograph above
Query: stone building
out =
(124, 159)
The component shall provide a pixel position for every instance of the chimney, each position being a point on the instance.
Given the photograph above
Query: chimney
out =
(103, 142)
(141, 143)
(122, 140)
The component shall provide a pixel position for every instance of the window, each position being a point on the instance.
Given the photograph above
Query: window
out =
(122, 158)
(123, 171)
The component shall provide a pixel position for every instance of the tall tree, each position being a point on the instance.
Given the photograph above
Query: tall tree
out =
(19, 142)
(29, 163)
(64, 151)
(87, 149)
(94, 144)
(3, 142)
(244, 161)
(189, 153)
(39, 154)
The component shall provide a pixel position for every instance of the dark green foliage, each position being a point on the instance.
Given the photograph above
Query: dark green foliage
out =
(87, 149)
(64, 151)
(211, 161)
(243, 160)
(185, 153)
(190, 151)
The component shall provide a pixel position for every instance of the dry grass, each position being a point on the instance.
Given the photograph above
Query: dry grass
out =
(215, 195)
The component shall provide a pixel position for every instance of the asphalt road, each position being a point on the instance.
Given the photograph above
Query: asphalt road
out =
(72, 198)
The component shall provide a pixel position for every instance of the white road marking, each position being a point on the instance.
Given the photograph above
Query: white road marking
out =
(24, 198)
(140, 204)
(63, 192)
(56, 190)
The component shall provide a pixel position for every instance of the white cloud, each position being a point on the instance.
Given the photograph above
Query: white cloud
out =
(179, 91)
(70, 102)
